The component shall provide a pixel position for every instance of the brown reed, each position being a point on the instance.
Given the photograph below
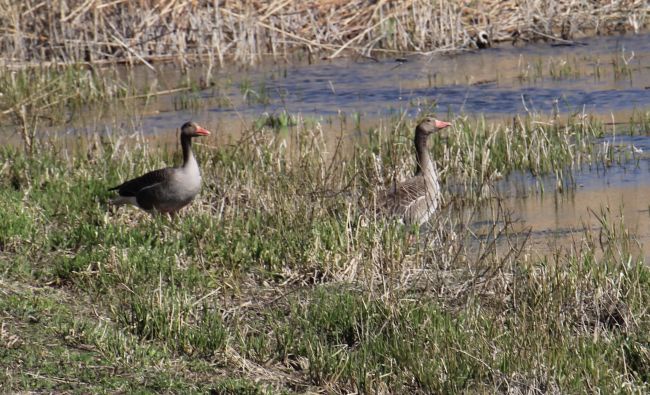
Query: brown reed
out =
(221, 31)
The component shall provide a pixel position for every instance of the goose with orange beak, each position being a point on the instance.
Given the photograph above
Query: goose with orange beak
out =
(166, 190)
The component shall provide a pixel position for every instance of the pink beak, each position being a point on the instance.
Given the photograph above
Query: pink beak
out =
(442, 124)
(202, 132)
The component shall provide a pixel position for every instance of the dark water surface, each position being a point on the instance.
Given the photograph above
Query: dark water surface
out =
(502, 81)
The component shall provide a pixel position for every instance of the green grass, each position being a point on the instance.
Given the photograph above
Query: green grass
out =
(535, 69)
(281, 279)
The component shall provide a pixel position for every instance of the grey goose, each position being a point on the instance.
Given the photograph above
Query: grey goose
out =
(414, 200)
(166, 190)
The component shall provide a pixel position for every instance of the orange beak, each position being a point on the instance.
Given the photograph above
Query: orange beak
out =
(442, 124)
(202, 132)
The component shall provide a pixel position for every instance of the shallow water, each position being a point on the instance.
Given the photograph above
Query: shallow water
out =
(497, 83)
(554, 218)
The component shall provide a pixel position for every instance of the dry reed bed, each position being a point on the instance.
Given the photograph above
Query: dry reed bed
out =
(147, 30)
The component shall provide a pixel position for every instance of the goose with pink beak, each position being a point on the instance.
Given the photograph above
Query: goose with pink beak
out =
(414, 200)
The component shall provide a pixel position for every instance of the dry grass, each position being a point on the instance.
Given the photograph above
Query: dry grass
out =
(217, 32)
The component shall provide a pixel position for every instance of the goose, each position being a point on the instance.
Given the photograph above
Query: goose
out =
(165, 190)
(414, 200)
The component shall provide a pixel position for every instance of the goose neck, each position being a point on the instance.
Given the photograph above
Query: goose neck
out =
(424, 164)
(186, 145)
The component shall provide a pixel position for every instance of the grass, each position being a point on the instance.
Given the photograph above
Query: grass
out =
(537, 69)
(561, 69)
(281, 279)
(53, 95)
(34, 99)
(622, 67)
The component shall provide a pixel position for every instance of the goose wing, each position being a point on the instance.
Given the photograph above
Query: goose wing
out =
(412, 201)
(134, 186)
(399, 199)
(151, 196)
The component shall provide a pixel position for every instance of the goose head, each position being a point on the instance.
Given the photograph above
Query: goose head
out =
(429, 125)
(191, 129)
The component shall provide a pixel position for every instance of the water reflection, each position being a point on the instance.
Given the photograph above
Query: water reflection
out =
(554, 218)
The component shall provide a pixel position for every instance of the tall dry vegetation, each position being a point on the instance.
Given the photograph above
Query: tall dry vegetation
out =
(147, 30)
